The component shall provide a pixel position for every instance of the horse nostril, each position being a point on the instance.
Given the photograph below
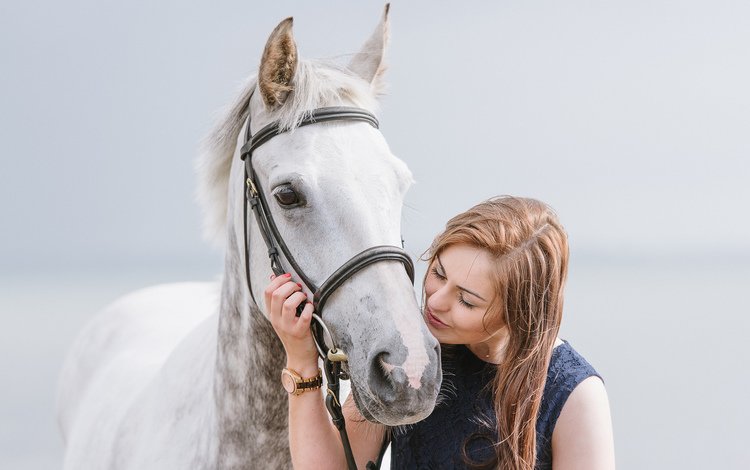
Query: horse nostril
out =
(381, 379)
(380, 365)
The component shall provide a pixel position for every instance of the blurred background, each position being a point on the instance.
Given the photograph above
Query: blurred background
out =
(630, 118)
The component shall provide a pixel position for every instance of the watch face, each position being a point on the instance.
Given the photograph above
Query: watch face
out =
(288, 382)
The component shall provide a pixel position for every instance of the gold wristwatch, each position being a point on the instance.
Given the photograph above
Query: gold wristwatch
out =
(294, 384)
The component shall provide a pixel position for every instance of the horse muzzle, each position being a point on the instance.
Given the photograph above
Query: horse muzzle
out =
(399, 392)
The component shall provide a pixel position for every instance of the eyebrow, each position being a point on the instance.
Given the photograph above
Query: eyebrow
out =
(460, 287)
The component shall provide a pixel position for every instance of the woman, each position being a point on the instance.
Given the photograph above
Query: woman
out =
(514, 397)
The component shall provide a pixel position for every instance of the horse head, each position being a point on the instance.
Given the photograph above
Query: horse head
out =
(334, 189)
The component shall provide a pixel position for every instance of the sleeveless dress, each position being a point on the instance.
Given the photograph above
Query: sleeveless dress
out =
(465, 416)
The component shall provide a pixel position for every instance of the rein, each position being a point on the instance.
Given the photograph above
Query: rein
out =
(332, 356)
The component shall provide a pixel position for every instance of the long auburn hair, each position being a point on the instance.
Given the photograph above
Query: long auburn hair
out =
(530, 247)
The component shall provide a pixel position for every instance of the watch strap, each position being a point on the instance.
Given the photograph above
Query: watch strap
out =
(302, 385)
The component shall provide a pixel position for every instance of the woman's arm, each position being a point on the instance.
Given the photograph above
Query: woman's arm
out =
(582, 438)
(366, 438)
(313, 440)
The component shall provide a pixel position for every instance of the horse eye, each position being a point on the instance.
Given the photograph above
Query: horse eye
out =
(286, 196)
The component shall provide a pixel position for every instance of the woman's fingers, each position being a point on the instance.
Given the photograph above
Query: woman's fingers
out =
(302, 324)
(291, 303)
(289, 313)
(276, 282)
(279, 296)
(283, 298)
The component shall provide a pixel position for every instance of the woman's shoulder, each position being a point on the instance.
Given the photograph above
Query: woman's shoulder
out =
(581, 431)
(567, 369)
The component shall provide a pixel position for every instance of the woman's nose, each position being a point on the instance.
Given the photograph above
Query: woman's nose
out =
(440, 300)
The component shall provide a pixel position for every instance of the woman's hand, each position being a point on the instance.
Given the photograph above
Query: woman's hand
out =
(282, 298)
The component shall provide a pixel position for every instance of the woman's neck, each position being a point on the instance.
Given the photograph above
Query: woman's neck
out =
(492, 349)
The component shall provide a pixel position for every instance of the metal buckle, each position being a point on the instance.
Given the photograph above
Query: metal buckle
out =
(337, 355)
(252, 187)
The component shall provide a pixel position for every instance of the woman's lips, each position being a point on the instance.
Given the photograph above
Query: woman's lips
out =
(434, 321)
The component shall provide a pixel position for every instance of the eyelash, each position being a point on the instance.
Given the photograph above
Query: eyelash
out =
(461, 300)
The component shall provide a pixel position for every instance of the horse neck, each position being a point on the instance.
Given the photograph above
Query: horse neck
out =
(250, 402)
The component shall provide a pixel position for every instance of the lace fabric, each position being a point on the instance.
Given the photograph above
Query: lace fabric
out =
(465, 413)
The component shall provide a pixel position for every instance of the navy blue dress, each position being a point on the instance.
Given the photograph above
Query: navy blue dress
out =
(466, 416)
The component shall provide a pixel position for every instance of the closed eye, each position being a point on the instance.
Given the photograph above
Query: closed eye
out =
(434, 271)
(465, 303)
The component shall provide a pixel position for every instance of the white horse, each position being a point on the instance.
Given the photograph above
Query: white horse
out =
(186, 376)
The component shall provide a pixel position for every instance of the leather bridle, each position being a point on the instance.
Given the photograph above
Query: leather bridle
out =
(332, 356)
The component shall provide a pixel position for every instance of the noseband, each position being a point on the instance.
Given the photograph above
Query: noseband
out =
(254, 197)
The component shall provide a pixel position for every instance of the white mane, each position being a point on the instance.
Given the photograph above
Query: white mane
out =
(316, 84)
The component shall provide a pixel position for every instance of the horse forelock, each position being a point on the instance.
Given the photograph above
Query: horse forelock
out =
(316, 83)
(322, 83)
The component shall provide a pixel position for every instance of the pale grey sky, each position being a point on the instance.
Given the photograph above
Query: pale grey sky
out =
(630, 118)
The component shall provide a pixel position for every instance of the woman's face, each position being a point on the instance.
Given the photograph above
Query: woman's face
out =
(458, 291)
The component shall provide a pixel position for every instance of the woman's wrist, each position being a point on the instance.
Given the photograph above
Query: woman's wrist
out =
(306, 368)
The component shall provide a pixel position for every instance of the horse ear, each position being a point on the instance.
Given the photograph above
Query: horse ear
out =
(369, 62)
(278, 65)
